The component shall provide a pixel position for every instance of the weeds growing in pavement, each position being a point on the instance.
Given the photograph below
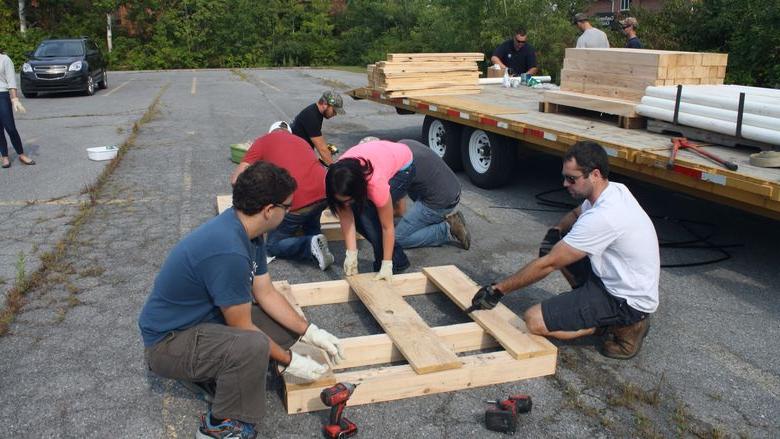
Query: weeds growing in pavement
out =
(53, 259)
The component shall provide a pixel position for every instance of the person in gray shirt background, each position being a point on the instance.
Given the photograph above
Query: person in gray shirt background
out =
(9, 102)
(435, 190)
(591, 37)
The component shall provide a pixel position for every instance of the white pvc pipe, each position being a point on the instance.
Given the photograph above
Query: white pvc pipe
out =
(487, 81)
(711, 99)
(755, 120)
(716, 125)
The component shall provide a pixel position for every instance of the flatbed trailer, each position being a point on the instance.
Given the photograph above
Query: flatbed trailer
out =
(481, 133)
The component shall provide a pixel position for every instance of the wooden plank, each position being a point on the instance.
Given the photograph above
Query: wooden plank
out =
(424, 351)
(369, 350)
(434, 92)
(223, 202)
(398, 382)
(339, 291)
(477, 107)
(508, 329)
(594, 103)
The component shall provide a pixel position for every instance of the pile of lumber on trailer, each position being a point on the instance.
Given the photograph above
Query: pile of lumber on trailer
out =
(426, 74)
(614, 80)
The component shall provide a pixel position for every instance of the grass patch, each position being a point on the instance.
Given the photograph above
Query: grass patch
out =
(93, 272)
(351, 69)
(55, 259)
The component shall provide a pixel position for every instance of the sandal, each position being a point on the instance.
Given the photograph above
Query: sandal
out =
(7, 165)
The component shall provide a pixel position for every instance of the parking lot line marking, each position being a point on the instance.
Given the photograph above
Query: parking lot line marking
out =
(267, 84)
(194, 86)
(120, 86)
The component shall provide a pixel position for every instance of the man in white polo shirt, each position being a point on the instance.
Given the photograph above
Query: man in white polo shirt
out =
(615, 288)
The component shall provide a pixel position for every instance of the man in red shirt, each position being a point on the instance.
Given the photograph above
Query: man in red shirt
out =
(299, 236)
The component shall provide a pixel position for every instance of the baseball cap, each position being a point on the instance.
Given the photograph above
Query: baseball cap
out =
(629, 21)
(333, 99)
(280, 124)
(580, 16)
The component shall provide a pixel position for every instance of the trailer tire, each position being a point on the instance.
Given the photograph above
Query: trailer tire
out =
(488, 158)
(443, 137)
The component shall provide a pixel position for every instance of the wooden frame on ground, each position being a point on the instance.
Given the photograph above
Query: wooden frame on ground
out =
(433, 366)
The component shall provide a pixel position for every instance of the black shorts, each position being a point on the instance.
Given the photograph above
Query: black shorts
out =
(588, 306)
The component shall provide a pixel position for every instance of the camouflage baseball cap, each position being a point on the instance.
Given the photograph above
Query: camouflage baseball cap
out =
(333, 99)
(629, 21)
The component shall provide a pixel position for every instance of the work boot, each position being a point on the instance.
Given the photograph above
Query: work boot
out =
(458, 229)
(626, 340)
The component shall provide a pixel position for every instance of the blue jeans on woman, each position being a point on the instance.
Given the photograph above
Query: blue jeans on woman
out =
(8, 125)
(292, 238)
(367, 221)
(423, 226)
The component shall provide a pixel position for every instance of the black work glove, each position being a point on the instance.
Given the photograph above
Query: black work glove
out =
(486, 298)
(550, 239)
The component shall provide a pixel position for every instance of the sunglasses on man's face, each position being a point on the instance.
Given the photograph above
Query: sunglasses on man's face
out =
(571, 179)
(518, 42)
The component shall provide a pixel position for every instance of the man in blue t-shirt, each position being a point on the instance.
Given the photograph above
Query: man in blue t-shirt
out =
(214, 316)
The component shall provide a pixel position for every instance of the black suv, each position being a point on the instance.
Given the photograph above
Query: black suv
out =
(61, 65)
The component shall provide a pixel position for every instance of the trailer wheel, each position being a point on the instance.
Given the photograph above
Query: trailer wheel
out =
(443, 137)
(488, 158)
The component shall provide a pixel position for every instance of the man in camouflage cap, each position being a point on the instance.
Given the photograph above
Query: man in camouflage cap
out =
(308, 123)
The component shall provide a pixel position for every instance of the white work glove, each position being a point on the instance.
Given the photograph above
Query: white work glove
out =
(325, 341)
(385, 271)
(304, 368)
(18, 107)
(350, 263)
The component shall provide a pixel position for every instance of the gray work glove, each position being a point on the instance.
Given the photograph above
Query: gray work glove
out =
(550, 239)
(486, 298)
(351, 263)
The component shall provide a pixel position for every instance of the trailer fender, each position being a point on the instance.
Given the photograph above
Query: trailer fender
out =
(444, 138)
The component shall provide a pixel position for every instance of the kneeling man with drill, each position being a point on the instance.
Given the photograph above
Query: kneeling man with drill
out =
(214, 316)
(608, 251)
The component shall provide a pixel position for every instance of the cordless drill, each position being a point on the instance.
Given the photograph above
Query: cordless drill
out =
(336, 398)
(503, 416)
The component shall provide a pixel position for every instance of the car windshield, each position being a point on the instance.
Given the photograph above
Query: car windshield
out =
(59, 48)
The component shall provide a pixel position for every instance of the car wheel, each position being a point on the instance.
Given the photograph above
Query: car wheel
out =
(488, 158)
(443, 137)
(103, 84)
(90, 90)
(29, 94)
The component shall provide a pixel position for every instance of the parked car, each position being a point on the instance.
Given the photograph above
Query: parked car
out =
(63, 65)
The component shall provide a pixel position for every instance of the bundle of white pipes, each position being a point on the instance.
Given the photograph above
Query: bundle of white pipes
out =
(715, 108)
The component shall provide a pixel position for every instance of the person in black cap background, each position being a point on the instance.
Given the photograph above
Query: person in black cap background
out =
(591, 37)
(308, 123)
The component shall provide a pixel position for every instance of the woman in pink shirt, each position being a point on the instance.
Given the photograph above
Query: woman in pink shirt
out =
(361, 188)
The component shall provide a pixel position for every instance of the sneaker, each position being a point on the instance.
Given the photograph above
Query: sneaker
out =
(228, 429)
(458, 229)
(321, 252)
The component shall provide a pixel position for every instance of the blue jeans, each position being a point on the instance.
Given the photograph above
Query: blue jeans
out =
(367, 222)
(423, 226)
(7, 123)
(292, 238)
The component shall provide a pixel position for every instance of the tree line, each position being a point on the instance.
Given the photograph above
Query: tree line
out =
(169, 34)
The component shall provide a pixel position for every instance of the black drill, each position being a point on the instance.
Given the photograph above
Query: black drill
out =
(503, 416)
(336, 398)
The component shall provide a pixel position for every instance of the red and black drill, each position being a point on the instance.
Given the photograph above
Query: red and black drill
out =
(503, 416)
(336, 398)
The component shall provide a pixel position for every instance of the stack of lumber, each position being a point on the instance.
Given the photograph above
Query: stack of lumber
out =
(614, 80)
(715, 108)
(425, 74)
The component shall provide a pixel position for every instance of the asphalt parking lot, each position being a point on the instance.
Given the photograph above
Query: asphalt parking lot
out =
(72, 361)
